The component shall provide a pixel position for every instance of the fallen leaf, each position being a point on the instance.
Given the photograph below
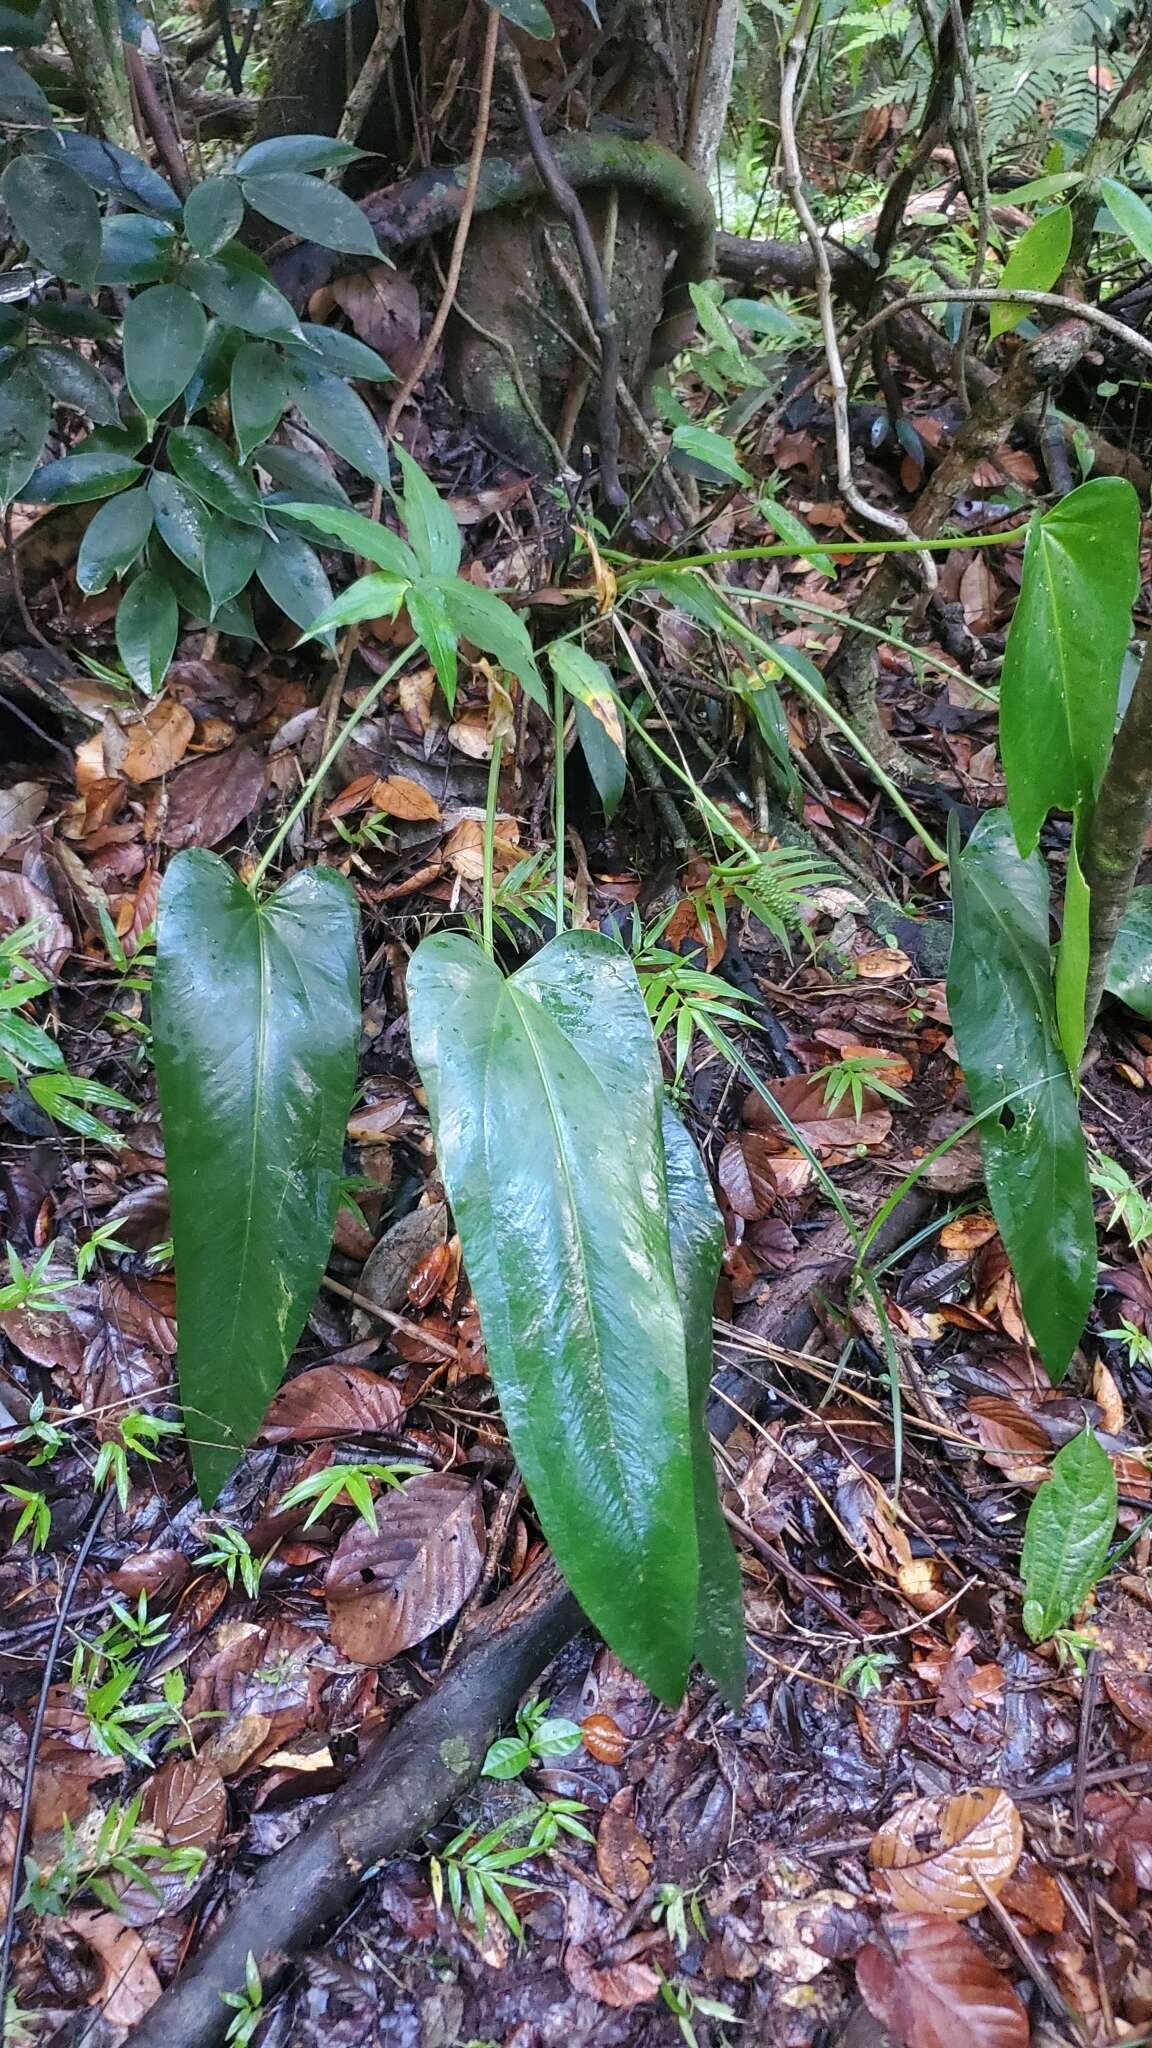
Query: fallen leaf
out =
(1034, 1892)
(186, 1807)
(148, 746)
(129, 1986)
(744, 1171)
(931, 1985)
(886, 963)
(388, 1270)
(209, 797)
(21, 902)
(1121, 1827)
(384, 308)
(332, 1401)
(604, 1739)
(928, 1856)
(803, 1102)
(20, 806)
(623, 1856)
(967, 1233)
(389, 1589)
(402, 797)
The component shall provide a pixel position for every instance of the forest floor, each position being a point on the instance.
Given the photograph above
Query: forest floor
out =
(790, 1873)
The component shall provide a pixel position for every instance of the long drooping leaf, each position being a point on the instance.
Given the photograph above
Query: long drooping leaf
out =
(696, 1231)
(255, 1017)
(1130, 968)
(1066, 1538)
(1001, 1003)
(546, 1095)
(1065, 648)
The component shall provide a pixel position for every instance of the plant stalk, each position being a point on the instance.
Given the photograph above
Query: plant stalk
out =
(490, 806)
(558, 795)
(1116, 835)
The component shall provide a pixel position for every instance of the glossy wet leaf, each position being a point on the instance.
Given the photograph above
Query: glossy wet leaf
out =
(296, 153)
(204, 462)
(1072, 962)
(78, 479)
(428, 520)
(1132, 215)
(389, 1587)
(1034, 264)
(25, 414)
(696, 1233)
(294, 577)
(258, 394)
(931, 1985)
(242, 296)
(351, 530)
(1065, 650)
(147, 623)
(943, 1854)
(72, 381)
(213, 211)
(1066, 1538)
(546, 1093)
(340, 417)
(55, 213)
(599, 720)
(231, 553)
(114, 540)
(345, 355)
(317, 212)
(256, 1019)
(1130, 968)
(428, 615)
(164, 334)
(119, 174)
(135, 249)
(181, 519)
(1003, 1015)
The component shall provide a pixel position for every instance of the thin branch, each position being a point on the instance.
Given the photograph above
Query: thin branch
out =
(390, 21)
(168, 145)
(987, 295)
(974, 144)
(562, 193)
(463, 225)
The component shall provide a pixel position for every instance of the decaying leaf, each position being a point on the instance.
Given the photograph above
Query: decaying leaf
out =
(623, 1856)
(388, 1589)
(930, 1984)
(928, 1856)
(332, 1401)
(129, 1986)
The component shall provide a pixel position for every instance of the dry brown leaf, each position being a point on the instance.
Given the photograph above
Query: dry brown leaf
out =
(1107, 1393)
(388, 1589)
(387, 1272)
(745, 1172)
(129, 1985)
(402, 797)
(802, 1100)
(1034, 1892)
(20, 806)
(623, 1856)
(928, 1856)
(209, 797)
(930, 1984)
(148, 746)
(21, 902)
(332, 1401)
(384, 308)
(1013, 1440)
(886, 963)
(967, 1233)
(185, 1806)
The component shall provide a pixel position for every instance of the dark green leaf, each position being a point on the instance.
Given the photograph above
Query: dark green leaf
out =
(21, 101)
(181, 520)
(1066, 1538)
(1072, 957)
(759, 693)
(259, 394)
(307, 207)
(344, 355)
(713, 453)
(302, 475)
(25, 414)
(530, 15)
(370, 597)
(242, 296)
(164, 335)
(126, 439)
(208, 467)
(113, 540)
(433, 627)
(790, 527)
(212, 213)
(607, 766)
(256, 1021)
(341, 418)
(210, 378)
(234, 616)
(597, 705)
(431, 525)
(121, 176)
(546, 1100)
(760, 316)
(24, 26)
(77, 323)
(76, 479)
(147, 622)
(295, 153)
(293, 575)
(492, 626)
(1034, 264)
(54, 212)
(696, 1231)
(365, 537)
(72, 381)
(1131, 214)
(1065, 648)
(1001, 1005)
(135, 250)
(1130, 968)
(231, 553)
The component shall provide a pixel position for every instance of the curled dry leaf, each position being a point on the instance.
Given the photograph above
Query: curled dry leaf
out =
(402, 797)
(332, 1401)
(21, 902)
(886, 963)
(623, 1856)
(604, 1739)
(746, 1176)
(931, 1985)
(144, 748)
(389, 1589)
(932, 1854)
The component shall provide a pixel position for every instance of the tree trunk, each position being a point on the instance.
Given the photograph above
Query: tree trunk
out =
(90, 31)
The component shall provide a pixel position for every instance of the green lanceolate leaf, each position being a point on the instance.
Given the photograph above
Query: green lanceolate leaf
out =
(1069, 1528)
(598, 718)
(428, 519)
(1130, 968)
(127, 178)
(296, 153)
(696, 1231)
(345, 355)
(711, 451)
(361, 536)
(341, 418)
(428, 615)
(1131, 214)
(134, 249)
(255, 1017)
(231, 553)
(294, 577)
(208, 467)
(1072, 963)
(54, 212)
(78, 479)
(1001, 1005)
(181, 519)
(164, 334)
(607, 766)
(1065, 650)
(1034, 265)
(546, 1099)
(212, 213)
(25, 413)
(306, 206)
(72, 381)
(242, 296)
(147, 623)
(258, 394)
(114, 540)
(492, 626)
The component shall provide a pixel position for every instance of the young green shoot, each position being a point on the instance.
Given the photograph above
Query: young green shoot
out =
(348, 1484)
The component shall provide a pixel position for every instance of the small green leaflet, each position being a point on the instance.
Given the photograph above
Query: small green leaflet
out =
(1034, 264)
(1069, 1528)
(714, 451)
(530, 15)
(589, 682)
(1130, 968)
(1131, 214)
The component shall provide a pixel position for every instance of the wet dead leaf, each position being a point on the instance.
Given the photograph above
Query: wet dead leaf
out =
(967, 1233)
(885, 963)
(21, 902)
(1033, 1892)
(129, 1986)
(623, 1856)
(931, 1985)
(387, 1272)
(20, 806)
(389, 1589)
(210, 797)
(144, 748)
(745, 1174)
(928, 1855)
(332, 1401)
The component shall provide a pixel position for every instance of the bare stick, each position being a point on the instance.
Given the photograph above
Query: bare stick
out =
(974, 143)
(168, 145)
(390, 19)
(988, 295)
(562, 193)
(794, 178)
(460, 240)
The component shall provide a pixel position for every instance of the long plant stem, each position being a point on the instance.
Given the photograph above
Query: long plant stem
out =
(558, 794)
(782, 550)
(1119, 827)
(490, 807)
(316, 779)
